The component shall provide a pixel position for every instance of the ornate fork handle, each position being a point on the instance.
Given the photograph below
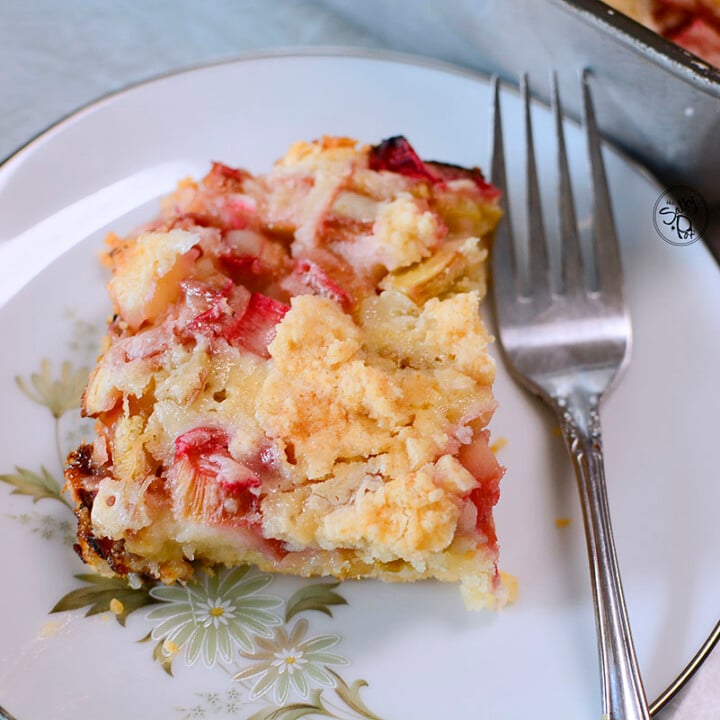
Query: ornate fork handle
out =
(623, 694)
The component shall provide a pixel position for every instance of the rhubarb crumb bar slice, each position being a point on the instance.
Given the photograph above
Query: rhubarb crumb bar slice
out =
(296, 376)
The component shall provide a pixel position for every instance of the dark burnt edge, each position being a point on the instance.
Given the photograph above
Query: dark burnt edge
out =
(100, 553)
(103, 554)
(394, 141)
(396, 154)
(475, 171)
(79, 470)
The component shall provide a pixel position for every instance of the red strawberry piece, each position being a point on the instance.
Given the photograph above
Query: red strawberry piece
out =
(200, 440)
(480, 460)
(397, 155)
(309, 278)
(189, 220)
(242, 268)
(447, 173)
(255, 329)
(236, 212)
(214, 308)
(209, 484)
(225, 178)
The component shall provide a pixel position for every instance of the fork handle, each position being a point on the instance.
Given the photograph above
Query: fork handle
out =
(622, 689)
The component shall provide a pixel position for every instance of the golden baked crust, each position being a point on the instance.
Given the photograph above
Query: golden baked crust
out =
(296, 376)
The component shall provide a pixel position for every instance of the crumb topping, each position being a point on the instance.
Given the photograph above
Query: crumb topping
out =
(297, 374)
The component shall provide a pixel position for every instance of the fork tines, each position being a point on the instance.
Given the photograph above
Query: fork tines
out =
(599, 273)
(567, 341)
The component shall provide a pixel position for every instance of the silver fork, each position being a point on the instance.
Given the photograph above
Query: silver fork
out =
(566, 341)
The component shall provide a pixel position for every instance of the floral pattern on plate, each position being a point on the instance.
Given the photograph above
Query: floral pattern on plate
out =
(276, 670)
(290, 661)
(215, 615)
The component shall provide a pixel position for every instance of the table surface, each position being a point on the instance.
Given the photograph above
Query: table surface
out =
(57, 56)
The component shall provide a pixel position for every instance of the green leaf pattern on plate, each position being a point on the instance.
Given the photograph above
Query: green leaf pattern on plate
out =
(105, 594)
(58, 396)
(314, 597)
(276, 670)
(37, 485)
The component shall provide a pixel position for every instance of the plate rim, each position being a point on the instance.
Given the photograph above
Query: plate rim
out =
(16, 157)
(286, 51)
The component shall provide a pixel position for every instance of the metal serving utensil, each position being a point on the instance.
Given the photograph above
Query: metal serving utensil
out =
(566, 341)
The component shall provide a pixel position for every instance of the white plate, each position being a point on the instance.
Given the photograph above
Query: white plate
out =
(420, 653)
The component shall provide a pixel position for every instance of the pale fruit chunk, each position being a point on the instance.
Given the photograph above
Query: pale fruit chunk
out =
(148, 273)
(455, 262)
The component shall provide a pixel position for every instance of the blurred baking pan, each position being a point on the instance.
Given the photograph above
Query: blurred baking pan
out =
(657, 101)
